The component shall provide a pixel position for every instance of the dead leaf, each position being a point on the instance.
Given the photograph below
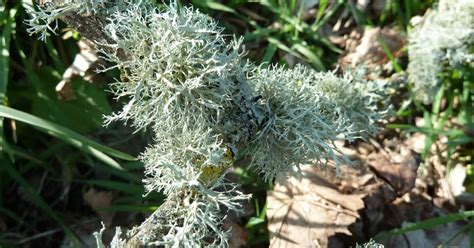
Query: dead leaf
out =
(100, 199)
(456, 179)
(365, 47)
(378, 195)
(399, 171)
(64, 90)
(304, 213)
(416, 142)
(83, 61)
(238, 233)
(443, 190)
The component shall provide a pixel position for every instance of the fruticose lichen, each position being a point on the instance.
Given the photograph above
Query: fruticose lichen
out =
(445, 38)
(304, 111)
(50, 12)
(207, 105)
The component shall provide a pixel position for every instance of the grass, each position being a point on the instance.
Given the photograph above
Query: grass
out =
(82, 143)
(433, 222)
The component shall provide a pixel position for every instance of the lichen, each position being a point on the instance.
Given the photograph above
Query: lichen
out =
(303, 111)
(444, 38)
(206, 105)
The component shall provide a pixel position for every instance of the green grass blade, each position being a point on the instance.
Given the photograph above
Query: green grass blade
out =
(429, 223)
(19, 152)
(459, 141)
(358, 15)
(401, 126)
(257, 208)
(408, 10)
(253, 221)
(284, 47)
(320, 22)
(68, 136)
(430, 133)
(214, 5)
(258, 33)
(437, 101)
(129, 208)
(322, 7)
(271, 5)
(294, 23)
(466, 98)
(390, 56)
(125, 174)
(471, 235)
(263, 213)
(310, 55)
(132, 189)
(53, 53)
(36, 198)
(269, 53)
(5, 38)
(133, 166)
(455, 235)
(10, 214)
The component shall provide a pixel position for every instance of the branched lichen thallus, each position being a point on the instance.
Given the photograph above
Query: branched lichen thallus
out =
(206, 105)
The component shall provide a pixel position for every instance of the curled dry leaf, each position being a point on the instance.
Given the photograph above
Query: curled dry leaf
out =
(306, 212)
(97, 200)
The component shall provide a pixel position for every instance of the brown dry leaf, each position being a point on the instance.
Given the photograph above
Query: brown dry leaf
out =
(379, 194)
(416, 142)
(100, 199)
(364, 47)
(304, 213)
(83, 61)
(401, 174)
(238, 233)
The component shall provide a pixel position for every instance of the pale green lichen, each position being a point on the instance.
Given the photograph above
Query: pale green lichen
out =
(180, 69)
(197, 219)
(445, 38)
(303, 111)
(204, 102)
(50, 12)
(370, 244)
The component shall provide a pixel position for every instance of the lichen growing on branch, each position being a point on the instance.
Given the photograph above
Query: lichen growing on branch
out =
(51, 11)
(304, 111)
(204, 103)
(445, 38)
